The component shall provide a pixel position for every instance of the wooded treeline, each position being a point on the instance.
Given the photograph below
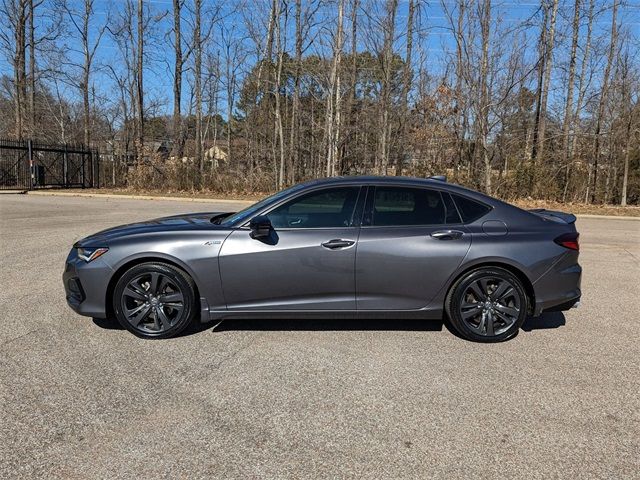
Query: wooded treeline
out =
(258, 95)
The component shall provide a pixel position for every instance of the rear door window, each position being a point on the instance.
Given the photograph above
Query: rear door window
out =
(470, 210)
(403, 206)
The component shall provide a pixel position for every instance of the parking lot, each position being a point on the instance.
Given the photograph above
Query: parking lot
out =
(330, 399)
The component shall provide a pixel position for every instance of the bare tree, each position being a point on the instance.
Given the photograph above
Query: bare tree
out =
(14, 41)
(177, 78)
(568, 109)
(233, 56)
(542, 104)
(407, 80)
(602, 102)
(547, 63)
(197, 48)
(484, 15)
(334, 96)
(349, 140)
(32, 66)
(389, 24)
(278, 134)
(582, 87)
(294, 135)
(140, 82)
(81, 22)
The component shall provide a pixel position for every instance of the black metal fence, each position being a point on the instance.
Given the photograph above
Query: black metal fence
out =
(27, 164)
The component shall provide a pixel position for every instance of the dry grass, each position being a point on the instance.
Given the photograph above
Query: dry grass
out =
(204, 194)
(580, 208)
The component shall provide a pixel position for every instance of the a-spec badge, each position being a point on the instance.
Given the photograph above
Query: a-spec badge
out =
(213, 242)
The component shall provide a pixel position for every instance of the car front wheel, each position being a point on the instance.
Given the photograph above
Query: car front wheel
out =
(487, 305)
(154, 300)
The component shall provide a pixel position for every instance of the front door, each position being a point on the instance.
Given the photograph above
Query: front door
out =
(410, 243)
(306, 264)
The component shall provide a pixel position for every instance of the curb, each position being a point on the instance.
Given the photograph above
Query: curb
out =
(139, 197)
(614, 217)
(226, 200)
(12, 192)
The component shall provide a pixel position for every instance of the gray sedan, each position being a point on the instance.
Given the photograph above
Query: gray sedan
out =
(368, 247)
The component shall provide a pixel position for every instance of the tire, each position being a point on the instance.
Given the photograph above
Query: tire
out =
(155, 300)
(488, 304)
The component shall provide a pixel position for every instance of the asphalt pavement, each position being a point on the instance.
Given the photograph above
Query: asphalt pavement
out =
(309, 399)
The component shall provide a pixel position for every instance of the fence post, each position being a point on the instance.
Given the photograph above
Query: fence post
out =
(31, 170)
(65, 167)
(97, 167)
(84, 159)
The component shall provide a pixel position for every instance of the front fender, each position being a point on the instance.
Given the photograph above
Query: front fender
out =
(194, 252)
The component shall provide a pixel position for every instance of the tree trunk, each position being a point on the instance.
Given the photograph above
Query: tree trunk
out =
(540, 81)
(568, 108)
(19, 66)
(603, 99)
(278, 129)
(294, 146)
(332, 130)
(406, 87)
(32, 70)
(387, 65)
(197, 50)
(625, 174)
(628, 134)
(483, 110)
(139, 83)
(230, 93)
(460, 100)
(86, 69)
(349, 143)
(548, 62)
(177, 80)
(582, 86)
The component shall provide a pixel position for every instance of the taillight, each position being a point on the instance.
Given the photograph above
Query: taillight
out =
(569, 240)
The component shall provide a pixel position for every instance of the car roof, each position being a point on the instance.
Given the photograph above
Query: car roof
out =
(392, 180)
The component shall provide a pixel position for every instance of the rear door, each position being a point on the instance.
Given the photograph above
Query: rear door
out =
(410, 243)
(309, 262)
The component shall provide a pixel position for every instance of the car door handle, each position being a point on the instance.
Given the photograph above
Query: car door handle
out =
(338, 243)
(447, 234)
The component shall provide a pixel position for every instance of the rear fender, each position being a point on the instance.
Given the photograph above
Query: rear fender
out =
(467, 266)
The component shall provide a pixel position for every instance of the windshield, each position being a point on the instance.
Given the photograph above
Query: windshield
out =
(243, 215)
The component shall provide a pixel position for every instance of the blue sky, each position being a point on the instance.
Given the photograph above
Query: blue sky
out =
(159, 75)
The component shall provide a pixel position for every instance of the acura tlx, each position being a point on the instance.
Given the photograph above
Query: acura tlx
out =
(390, 247)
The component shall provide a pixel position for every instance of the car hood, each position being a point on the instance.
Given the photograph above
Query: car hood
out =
(187, 222)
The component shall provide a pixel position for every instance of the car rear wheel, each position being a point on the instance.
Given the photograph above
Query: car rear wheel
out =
(154, 300)
(487, 305)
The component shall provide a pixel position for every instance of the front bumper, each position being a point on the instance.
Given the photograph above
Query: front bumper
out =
(86, 285)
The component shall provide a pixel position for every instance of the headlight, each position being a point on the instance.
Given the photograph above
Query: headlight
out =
(88, 254)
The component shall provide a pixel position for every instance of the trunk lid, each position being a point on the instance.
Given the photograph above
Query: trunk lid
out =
(554, 216)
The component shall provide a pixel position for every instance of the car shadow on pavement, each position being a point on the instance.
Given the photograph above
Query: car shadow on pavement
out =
(112, 324)
(386, 324)
(544, 321)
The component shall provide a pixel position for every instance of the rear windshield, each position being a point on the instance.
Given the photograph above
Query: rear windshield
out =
(470, 210)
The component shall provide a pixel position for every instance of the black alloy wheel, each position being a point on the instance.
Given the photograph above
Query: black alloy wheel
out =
(154, 300)
(487, 305)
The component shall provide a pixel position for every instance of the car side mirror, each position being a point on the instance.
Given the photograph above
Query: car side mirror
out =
(260, 227)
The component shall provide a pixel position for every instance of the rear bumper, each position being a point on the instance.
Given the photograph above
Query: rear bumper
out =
(85, 285)
(560, 288)
(563, 307)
